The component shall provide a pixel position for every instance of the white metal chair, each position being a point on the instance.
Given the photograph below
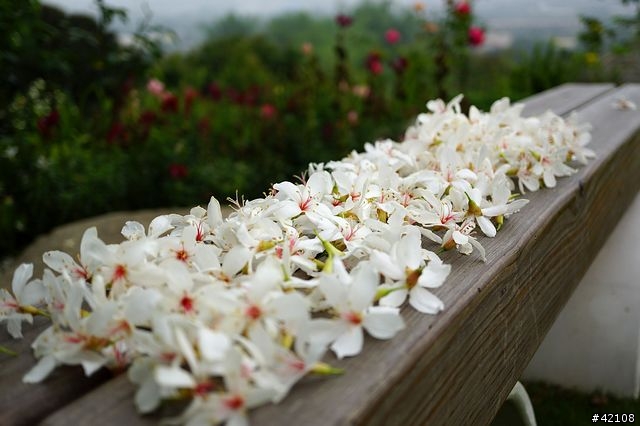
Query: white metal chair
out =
(516, 410)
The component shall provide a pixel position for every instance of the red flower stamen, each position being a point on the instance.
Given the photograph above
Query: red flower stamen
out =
(119, 273)
(187, 303)
(254, 312)
(235, 402)
(354, 318)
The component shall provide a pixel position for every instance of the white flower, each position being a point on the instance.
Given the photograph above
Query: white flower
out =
(296, 199)
(623, 103)
(19, 307)
(351, 296)
(405, 267)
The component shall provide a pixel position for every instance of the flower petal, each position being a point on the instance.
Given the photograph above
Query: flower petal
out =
(214, 213)
(349, 343)
(363, 288)
(487, 227)
(434, 274)
(425, 301)
(213, 345)
(41, 370)
(235, 260)
(173, 377)
(383, 322)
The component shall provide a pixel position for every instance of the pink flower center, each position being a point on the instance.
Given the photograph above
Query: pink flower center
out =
(81, 272)
(297, 365)
(199, 232)
(304, 205)
(354, 318)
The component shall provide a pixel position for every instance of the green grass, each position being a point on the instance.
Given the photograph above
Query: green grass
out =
(556, 406)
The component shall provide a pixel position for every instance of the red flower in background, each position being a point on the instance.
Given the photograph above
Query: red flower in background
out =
(145, 121)
(214, 91)
(169, 103)
(462, 8)
(178, 171)
(476, 36)
(204, 127)
(392, 36)
(374, 63)
(47, 123)
(400, 64)
(147, 118)
(268, 111)
(190, 94)
(235, 96)
(251, 96)
(117, 133)
(344, 20)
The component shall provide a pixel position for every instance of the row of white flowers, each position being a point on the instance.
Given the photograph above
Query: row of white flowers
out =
(231, 313)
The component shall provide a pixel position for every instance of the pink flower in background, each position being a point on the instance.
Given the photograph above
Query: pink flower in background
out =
(155, 87)
(352, 117)
(267, 111)
(392, 36)
(476, 36)
(178, 171)
(344, 20)
(361, 90)
(462, 8)
(374, 63)
(307, 48)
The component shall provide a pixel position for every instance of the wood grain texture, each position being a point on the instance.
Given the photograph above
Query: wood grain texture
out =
(456, 367)
(565, 98)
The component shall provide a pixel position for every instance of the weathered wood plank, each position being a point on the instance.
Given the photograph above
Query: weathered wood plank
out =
(457, 367)
(24, 404)
(565, 98)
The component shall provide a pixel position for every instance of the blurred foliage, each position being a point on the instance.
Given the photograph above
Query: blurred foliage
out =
(93, 125)
(558, 406)
(613, 49)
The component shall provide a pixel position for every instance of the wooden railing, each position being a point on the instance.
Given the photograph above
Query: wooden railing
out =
(454, 368)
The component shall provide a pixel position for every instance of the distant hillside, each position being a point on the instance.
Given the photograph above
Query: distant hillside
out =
(521, 22)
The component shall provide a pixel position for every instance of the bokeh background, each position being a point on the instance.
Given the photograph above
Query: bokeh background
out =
(121, 105)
